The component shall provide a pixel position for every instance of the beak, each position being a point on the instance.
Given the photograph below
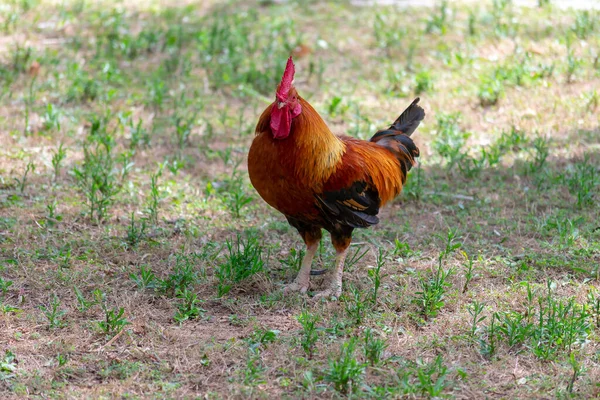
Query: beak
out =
(280, 104)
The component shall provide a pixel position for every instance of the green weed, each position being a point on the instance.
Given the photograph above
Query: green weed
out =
(586, 22)
(233, 192)
(402, 249)
(487, 341)
(438, 22)
(53, 313)
(188, 308)
(490, 91)
(8, 309)
(472, 24)
(5, 285)
(114, 320)
(57, 158)
(573, 65)
(430, 298)
(183, 129)
(244, 259)
(397, 83)
(592, 100)
(355, 258)
(427, 379)
(567, 229)
(475, 309)
(51, 118)
(345, 372)
(356, 305)
(118, 369)
(184, 275)
(514, 327)
(85, 304)
(577, 371)
(540, 152)
(155, 198)
(135, 232)
(61, 360)
(373, 347)
(375, 274)
(65, 257)
(336, 107)
(450, 140)
(23, 180)
(238, 51)
(157, 92)
(260, 338)
(310, 334)
(21, 58)
(253, 373)
(8, 366)
(423, 82)
(583, 180)
(294, 259)
(560, 326)
(469, 274)
(98, 176)
(502, 17)
(389, 33)
(145, 279)
(138, 135)
(84, 87)
(452, 243)
(556, 327)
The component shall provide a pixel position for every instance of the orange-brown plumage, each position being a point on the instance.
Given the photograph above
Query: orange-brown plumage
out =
(320, 180)
(371, 162)
(281, 171)
(289, 172)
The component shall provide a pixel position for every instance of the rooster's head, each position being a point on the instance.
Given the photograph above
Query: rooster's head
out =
(286, 105)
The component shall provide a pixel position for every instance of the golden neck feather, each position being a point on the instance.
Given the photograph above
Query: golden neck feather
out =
(313, 139)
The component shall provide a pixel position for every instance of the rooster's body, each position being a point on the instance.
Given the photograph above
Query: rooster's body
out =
(322, 181)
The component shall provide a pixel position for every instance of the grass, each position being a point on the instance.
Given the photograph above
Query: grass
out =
(136, 260)
(310, 334)
(345, 372)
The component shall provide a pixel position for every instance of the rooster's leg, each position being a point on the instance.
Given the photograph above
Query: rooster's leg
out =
(302, 281)
(341, 242)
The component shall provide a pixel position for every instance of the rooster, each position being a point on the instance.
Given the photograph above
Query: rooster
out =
(318, 180)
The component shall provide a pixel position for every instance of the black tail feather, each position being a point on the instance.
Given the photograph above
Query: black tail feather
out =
(397, 137)
(406, 123)
(410, 119)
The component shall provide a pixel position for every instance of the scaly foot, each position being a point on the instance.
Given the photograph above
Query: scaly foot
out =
(296, 287)
(333, 289)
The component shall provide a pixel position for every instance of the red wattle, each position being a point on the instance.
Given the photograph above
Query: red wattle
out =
(281, 121)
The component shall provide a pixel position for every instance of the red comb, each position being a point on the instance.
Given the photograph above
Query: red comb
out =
(286, 80)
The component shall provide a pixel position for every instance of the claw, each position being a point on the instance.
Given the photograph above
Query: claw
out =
(295, 287)
(334, 292)
(324, 294)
